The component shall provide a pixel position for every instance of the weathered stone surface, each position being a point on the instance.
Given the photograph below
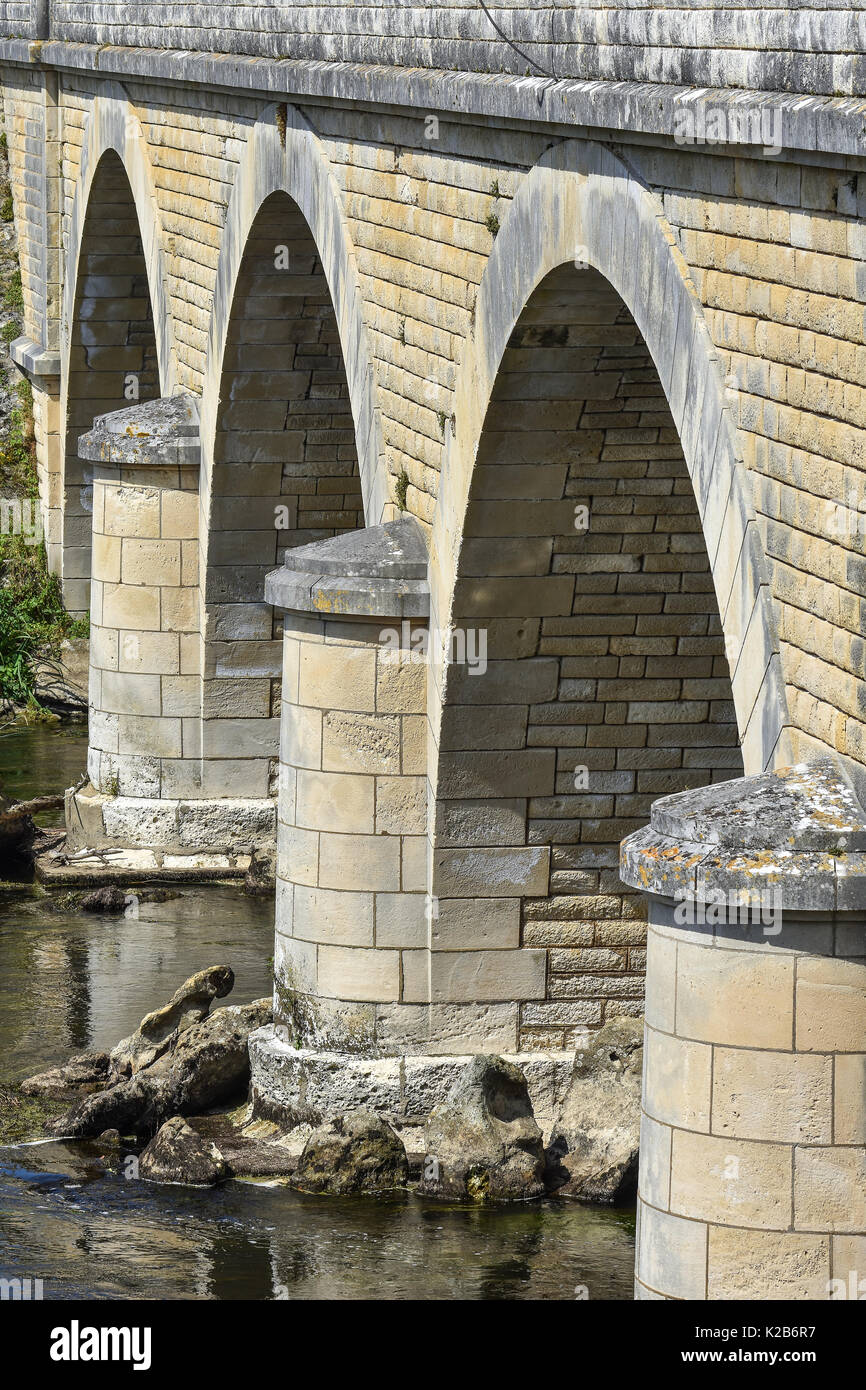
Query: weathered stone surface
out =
(208, 1065)
(482, 1141)
(593, 1151)
(160, 1029)
(87, 1069)
(353, 1153)
(178, 1154)
(108, 899)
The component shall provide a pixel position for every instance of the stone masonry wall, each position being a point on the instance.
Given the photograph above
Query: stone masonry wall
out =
(774, 248)
(285, 473)
(608, 684)
(113, 353)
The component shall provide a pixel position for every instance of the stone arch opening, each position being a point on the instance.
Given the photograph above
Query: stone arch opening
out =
(583, 566)
(285, 472)
(113, 358)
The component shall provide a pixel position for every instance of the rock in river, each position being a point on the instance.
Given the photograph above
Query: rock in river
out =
(178, 1154)
(357, 1152)
(208, 1065)
(593, 1151)
(482, 1140)
(85, 1071)
(159, 1030)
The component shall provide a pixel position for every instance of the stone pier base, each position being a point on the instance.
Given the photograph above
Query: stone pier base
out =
(136, 837)
(300, 1085)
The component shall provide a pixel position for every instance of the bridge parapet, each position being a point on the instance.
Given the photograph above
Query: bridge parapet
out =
(807, 48)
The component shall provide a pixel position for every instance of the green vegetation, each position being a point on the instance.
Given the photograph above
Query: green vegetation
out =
(13, 294)
(33, 621)
(401, 487)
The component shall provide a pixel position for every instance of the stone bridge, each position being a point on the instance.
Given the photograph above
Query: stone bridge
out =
(525, 351)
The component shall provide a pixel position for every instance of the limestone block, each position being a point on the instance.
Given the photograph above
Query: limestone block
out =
(301, 738)
(655, 1162)
(131, 606)
(401, 806)
(661, 982)
(356, 742)
(298, 855)
(347, 973)
(830, 1189)
(338, 802)
(366, 862)
(677, 1089)
(731, 1181)
(831, 1005)
(123, 693)
(334, 917)
(468, 924)
(742, 1261)
(144, 822)
(342, 678)
(401, 920)
(131, 511)
(154, 652)
(470, 976)
(499, 872)
(850, 1100)
(150, 561)
(672, 1254)
(158, 737)
(735, 997)
(401, 683)
(773, 1096)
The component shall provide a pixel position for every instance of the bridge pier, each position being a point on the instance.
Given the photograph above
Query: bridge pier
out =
(753, 1137)
(144, 754)
(360, 1018)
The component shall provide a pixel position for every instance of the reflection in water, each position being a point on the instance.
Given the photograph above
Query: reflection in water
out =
(69, 982)
(42, 760)
(109, 1238)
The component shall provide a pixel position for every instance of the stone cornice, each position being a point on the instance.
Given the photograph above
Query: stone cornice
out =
(801, 123)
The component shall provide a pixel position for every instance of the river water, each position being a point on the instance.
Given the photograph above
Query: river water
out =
(72, 982)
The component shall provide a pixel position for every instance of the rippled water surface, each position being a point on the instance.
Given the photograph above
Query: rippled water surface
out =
(73, 982)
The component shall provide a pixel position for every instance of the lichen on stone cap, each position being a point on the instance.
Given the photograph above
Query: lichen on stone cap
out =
(799, 831)
(159, 432)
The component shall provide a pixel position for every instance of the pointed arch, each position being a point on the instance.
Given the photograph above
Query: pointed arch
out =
(582, 204)
(116, 326)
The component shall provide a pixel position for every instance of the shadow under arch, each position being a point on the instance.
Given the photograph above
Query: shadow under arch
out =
(581, 204)
(283, 154)
(117, 342)
(285, 468)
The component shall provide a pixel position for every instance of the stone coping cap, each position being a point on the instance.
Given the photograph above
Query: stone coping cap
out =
(33, 358)
(163, 432)
(379, 571)
(798, 832)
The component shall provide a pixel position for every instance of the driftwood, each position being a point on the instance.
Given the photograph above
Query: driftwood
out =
(33, 807)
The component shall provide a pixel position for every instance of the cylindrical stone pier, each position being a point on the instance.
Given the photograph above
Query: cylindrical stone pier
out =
(351, 957)
(145, 800)
(753, 1139)
(144, 665)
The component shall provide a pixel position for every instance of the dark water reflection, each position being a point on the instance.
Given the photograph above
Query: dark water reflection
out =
(40, 760)
(73, 982)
